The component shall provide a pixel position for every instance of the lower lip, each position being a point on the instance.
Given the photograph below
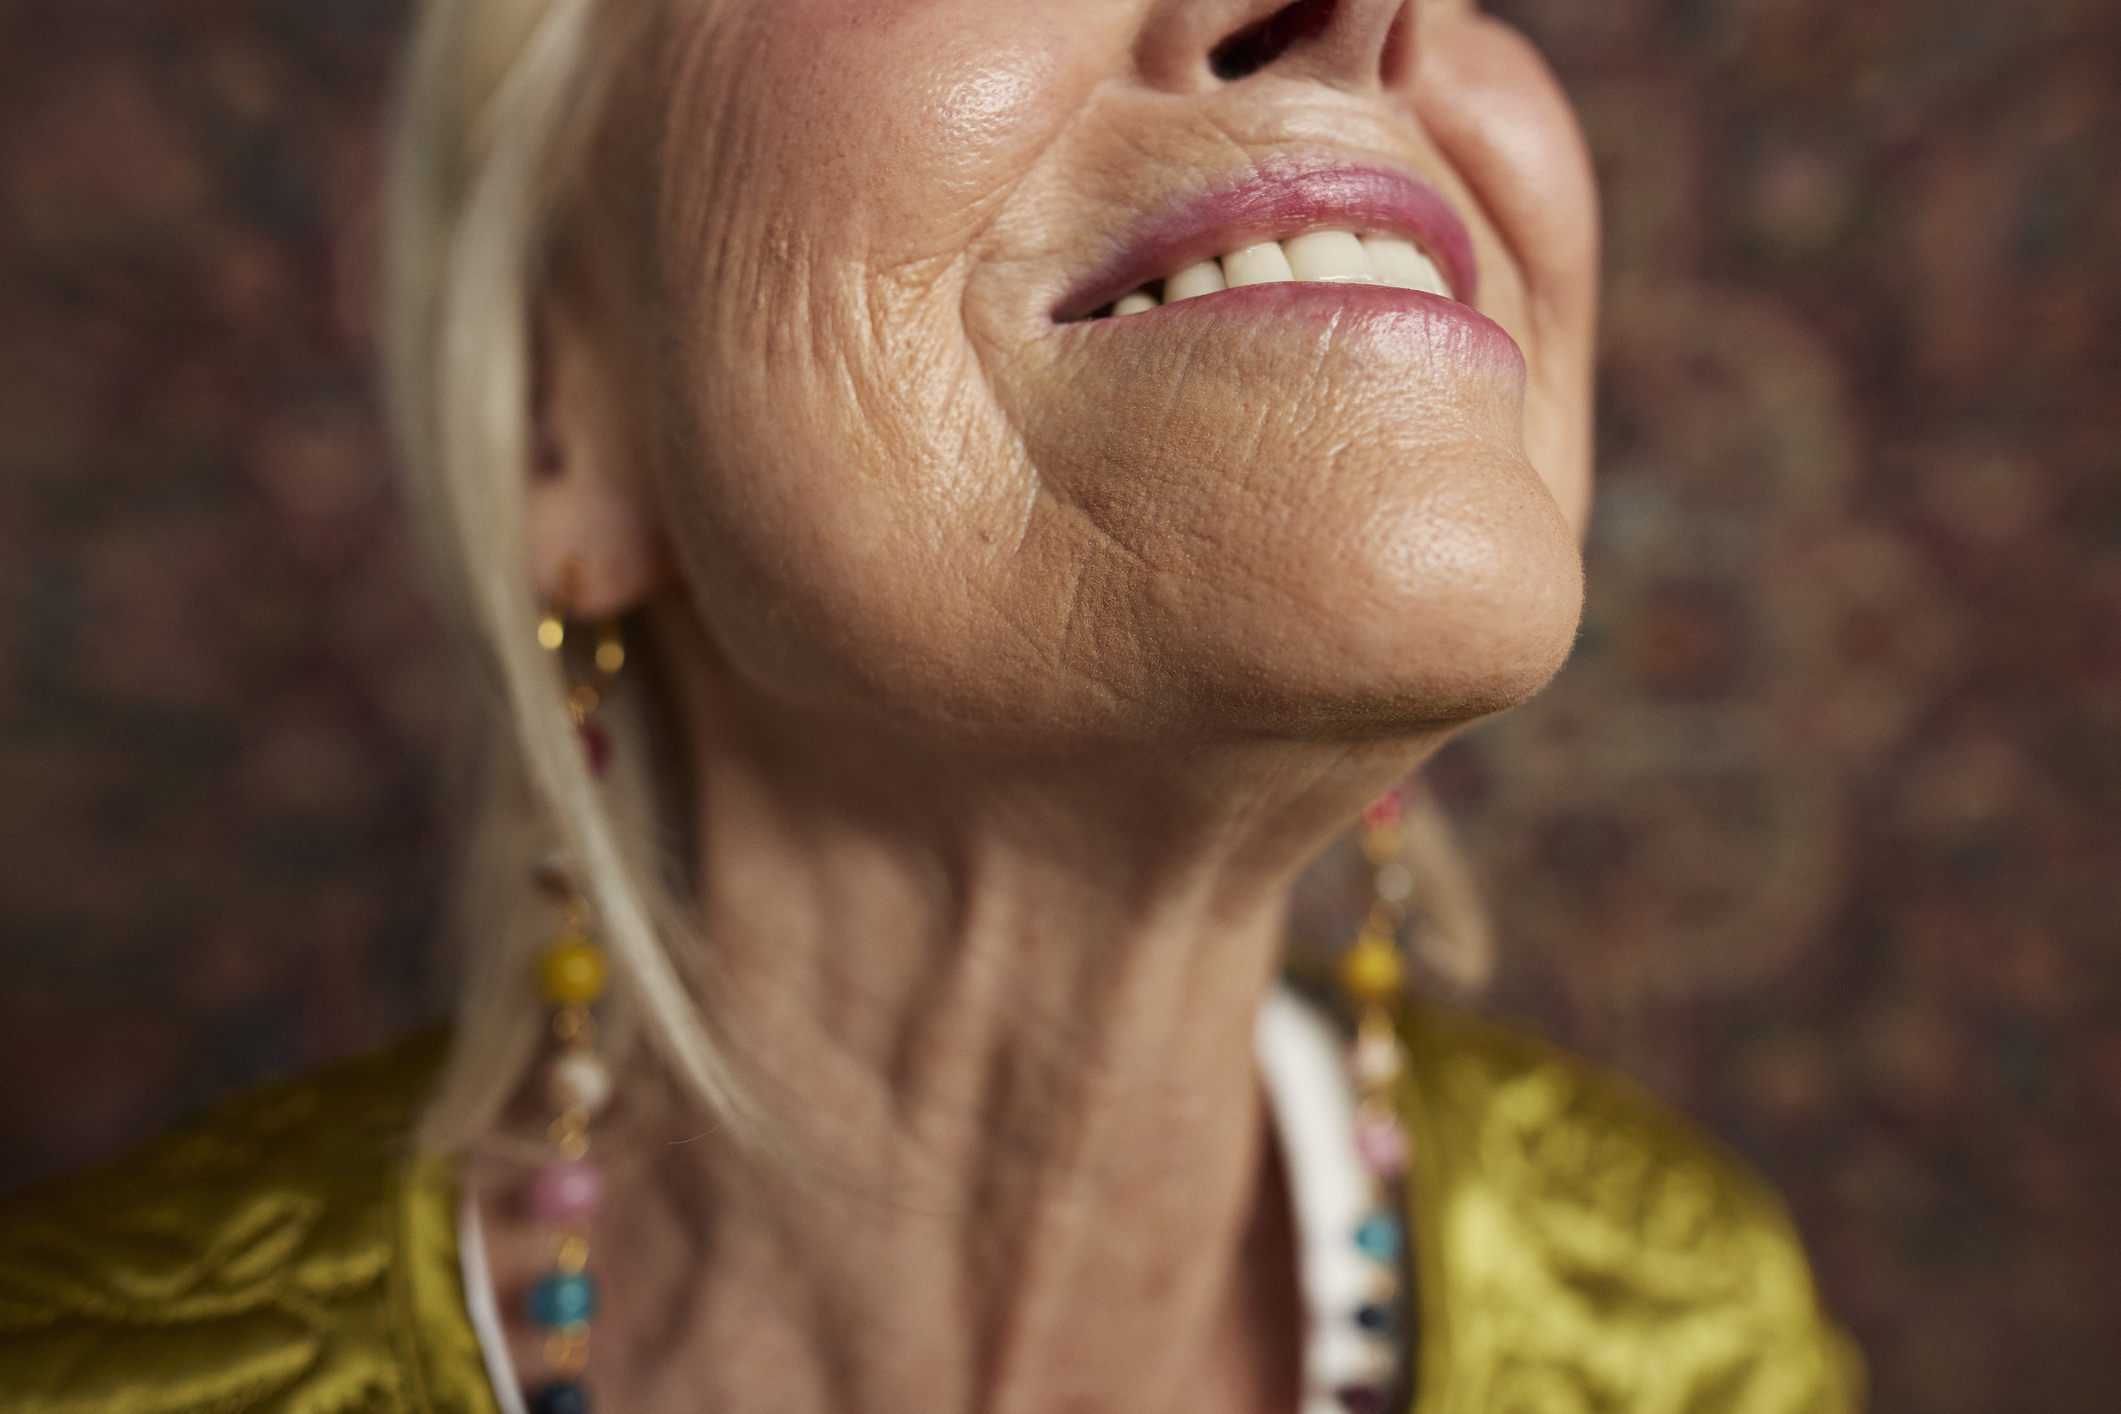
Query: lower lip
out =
(1446, 328)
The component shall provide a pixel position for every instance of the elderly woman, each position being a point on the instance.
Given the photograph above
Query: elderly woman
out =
(962, 502)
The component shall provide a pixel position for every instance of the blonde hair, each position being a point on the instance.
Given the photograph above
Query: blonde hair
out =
(497, 104)
(497, 107)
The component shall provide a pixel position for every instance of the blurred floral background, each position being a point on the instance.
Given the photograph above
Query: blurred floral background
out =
(1819, 835)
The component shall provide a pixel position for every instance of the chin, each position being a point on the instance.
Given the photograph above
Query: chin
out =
(1398, 634)
(1335, 536)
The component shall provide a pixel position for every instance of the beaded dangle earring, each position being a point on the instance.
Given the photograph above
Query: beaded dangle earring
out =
(567, 1192)
(1372, 978)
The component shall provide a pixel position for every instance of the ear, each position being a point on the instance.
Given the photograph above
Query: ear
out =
(594, 551)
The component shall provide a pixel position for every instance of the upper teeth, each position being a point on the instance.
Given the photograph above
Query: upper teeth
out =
(1340, 256)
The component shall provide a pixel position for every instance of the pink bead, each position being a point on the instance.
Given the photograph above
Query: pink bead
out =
(568, 1191)
(1382, 1143)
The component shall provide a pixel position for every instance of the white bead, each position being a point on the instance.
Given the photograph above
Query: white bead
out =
(1395, 882)
(579, 1080)
(1345, 1355)
(1377, 1060)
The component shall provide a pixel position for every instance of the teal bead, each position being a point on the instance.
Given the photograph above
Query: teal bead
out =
(1379, 1237)
(563, 1299)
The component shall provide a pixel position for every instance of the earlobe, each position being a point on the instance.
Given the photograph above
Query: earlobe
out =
(594, 553)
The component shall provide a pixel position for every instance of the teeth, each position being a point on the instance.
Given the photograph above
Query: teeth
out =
(1336, 257)
(1262, 264)
(1399, 263)
(1202, 279)
(1330, 255)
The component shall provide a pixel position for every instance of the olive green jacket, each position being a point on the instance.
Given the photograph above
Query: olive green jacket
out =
(1578, 1248)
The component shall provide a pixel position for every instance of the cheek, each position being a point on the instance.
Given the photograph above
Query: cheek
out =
(905, 119)
(1499, 118)
(835, 169)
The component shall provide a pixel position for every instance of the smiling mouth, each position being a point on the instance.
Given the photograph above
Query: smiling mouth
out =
(1316, 257)
(1296, 218)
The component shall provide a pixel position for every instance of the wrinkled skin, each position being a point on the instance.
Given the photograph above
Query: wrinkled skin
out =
(1024, 661)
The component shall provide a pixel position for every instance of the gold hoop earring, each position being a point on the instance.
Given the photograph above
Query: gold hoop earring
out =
(606, 660)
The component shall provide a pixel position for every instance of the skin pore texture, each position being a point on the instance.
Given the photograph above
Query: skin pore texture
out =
(1021, 659)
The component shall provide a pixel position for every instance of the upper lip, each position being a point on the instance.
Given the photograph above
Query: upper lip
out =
(1276, 201)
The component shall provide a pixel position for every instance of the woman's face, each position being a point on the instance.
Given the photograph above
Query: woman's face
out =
(929, 459)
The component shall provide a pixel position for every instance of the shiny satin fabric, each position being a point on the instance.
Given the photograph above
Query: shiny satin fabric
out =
(288, 1254)
(1578, 1248)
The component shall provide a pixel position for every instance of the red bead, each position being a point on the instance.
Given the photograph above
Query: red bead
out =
(596, 745)
(1383, 811)
(569, 1191)
(1364, 1399)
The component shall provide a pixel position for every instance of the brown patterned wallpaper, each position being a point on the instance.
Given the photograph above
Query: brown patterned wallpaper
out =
(1818, 834)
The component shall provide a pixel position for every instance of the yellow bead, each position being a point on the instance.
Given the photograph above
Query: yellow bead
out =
(570, 1253)
(1372, 970)
(572, 973)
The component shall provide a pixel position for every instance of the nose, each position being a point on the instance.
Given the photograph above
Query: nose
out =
(1192, 45)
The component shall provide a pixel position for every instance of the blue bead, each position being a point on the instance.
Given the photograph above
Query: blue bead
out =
(561, 1397)
(1379, 1236)
(1375, 1319)
(563, 1299)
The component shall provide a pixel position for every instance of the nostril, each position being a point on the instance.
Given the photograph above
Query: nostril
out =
(1253, 48)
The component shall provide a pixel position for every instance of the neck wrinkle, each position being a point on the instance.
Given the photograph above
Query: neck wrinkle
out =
(1029, 1126)
(1006, 1026)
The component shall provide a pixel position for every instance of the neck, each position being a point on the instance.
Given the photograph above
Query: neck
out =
(1002, 1019)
